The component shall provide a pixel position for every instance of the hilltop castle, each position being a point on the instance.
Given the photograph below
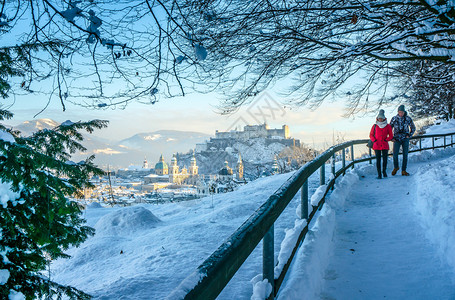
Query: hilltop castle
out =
(227, 138)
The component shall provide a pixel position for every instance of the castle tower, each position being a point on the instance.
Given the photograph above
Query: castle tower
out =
(240, 168)
(193, 169)
(287, 135)
(161, 167)
(145, 165)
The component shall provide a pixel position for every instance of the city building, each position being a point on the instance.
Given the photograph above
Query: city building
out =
(161, 167)
(185, 176)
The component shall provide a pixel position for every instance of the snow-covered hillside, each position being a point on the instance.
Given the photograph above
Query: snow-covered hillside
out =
(143, 252)
(258, 152)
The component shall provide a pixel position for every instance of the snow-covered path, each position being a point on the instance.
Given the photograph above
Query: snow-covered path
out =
(392, 238)
(380, 247)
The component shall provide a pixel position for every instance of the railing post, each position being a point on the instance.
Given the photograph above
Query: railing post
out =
(451, 139)
(333, 167)
(343, 153)
(432, 139)
(420, 144)
(352, 155)
(445, 144)
(369, 151)
(304, 201)
(268, 259)
(322, 174)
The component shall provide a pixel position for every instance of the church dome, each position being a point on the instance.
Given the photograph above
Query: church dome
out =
(225, 170)
(161, 165)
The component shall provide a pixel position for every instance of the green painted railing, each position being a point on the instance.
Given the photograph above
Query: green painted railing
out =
(215, 272)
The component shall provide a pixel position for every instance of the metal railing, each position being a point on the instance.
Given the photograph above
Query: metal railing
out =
(216, 271)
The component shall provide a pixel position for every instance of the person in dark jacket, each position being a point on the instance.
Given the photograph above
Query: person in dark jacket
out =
(403, 129)
(381, 133)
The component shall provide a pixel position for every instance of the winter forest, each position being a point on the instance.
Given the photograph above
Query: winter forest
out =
(104, 54)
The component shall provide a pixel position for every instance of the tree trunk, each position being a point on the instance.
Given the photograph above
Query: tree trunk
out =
(451, 111)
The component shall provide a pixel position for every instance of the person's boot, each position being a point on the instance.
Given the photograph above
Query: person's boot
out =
(384, 174)
(395, 171)
(404, 173)
(379, 176)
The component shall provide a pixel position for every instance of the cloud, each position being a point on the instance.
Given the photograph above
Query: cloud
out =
(152, 137)
(107, 151)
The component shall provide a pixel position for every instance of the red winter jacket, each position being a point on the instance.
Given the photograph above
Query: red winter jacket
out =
(381, 137)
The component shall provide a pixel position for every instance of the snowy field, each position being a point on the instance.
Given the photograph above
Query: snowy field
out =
(145, 251)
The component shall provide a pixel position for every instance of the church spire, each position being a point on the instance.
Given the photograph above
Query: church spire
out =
(193, 169)
(145, 165)
(240, 168)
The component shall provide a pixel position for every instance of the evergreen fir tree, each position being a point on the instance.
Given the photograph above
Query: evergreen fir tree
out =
(38, 221)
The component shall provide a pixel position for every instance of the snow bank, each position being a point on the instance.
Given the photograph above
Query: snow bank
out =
(318, 194)
(435, 205)
(6, 194)
(312, 258)
(440, 127)
(287, 245)
(13, 295)
(126, 221)
(430, 154)
(343, 188)
(261, 288)
(94, 205)
(4, 276)
(310, 262)
(185, 286)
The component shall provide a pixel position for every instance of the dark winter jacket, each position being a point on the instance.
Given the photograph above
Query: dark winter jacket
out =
(402, 127)
(381, 137)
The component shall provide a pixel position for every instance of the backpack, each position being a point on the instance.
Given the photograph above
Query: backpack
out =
(370, 142)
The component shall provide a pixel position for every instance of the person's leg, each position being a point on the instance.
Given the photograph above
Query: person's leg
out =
(384, 162)
(377, 153)
(396, 150)
(405, 155)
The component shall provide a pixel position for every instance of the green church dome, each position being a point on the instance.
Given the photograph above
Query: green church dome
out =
(162, 165)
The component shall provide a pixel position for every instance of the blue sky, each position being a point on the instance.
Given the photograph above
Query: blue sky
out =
(198, 112)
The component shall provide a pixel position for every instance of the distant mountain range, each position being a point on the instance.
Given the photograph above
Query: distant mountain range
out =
(130, 151)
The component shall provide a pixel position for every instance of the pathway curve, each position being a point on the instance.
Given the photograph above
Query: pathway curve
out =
(380, 248)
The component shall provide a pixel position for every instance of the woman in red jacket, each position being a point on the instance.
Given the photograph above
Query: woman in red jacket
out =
(381, 133)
